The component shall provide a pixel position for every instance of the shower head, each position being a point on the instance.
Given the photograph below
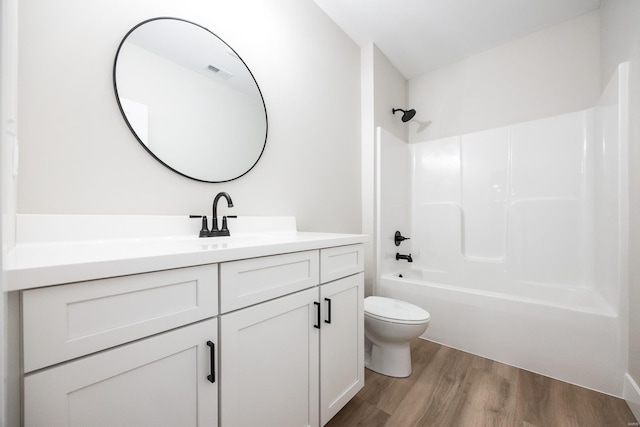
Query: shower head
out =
(407, 114)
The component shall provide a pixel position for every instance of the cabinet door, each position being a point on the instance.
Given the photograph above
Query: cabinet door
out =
(269, 363)
(341, 343)
(158, 381)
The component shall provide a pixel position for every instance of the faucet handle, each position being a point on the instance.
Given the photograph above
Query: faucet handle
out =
(204, 231)
(224, 222)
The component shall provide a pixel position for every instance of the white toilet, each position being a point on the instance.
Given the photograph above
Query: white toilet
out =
(389, 326)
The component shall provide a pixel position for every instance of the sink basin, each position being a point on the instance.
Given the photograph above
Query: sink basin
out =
(237, 240)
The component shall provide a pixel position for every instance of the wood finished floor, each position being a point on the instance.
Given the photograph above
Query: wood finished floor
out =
(449, 387)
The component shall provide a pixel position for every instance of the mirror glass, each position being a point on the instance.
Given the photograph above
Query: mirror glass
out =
(190, 100)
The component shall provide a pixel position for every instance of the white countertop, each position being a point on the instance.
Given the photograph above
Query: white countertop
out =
(32, 264)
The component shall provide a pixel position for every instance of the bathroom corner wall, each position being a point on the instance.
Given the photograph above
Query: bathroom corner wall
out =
(547, 73)
(8, 122)
(383, 88)
(9, 345)
(77, 155)
(610, 180)
(620, 43)
(390, 91)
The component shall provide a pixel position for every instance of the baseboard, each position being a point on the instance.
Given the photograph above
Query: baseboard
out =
(631, 393)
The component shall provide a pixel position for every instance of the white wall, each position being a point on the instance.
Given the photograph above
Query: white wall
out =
(383, 88)
(550, 72)
(621, 42)
(390, 91)
(78, 156)
(9, 381)
(367, 84)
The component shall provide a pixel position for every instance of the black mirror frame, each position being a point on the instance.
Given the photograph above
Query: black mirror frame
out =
(115, 88)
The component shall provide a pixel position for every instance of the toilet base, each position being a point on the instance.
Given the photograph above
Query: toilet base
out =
(391, 360)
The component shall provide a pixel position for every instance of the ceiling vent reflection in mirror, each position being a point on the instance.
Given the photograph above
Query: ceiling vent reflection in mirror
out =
(224, 74)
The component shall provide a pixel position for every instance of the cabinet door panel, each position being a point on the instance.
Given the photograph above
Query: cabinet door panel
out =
(159, 381)
(341, 261)
(269, 363)
(341, 344)
(251, 281)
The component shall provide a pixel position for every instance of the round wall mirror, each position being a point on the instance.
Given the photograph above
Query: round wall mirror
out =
(190, 100)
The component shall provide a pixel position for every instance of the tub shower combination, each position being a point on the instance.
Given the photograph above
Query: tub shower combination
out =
(517, 239)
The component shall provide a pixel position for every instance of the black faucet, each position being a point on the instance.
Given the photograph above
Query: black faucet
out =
(214, 226)
(407, 257)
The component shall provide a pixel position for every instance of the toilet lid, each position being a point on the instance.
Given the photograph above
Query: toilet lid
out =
(392, 310)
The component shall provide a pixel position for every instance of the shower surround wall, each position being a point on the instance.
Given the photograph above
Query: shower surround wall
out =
(510, 204)
(517, 237)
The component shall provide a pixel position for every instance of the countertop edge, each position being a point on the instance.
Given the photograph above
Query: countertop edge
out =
(37, 276)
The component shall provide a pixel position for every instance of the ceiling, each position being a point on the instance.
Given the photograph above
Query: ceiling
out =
(421, 35)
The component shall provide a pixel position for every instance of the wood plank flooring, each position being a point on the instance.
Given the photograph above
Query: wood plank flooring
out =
(449, 387)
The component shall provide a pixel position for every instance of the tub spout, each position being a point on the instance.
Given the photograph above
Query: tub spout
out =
(407, 257)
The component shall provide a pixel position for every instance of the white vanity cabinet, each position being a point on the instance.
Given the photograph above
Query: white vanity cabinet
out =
(255, 337)
(127, 351)
(298, 358)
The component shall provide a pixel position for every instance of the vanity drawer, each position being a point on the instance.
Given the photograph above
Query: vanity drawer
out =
(252, 281)
(341, 261)
(68, 321)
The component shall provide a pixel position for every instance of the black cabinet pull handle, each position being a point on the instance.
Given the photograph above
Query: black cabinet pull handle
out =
(212, 377)
(328, 300)
(317, 304)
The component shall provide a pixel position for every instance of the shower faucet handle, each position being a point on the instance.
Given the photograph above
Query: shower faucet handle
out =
(399, 238)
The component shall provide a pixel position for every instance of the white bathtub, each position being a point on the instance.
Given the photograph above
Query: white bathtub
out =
(583, 299)
(535, 327)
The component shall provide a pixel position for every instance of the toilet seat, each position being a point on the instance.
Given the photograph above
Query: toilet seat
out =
(392, 310)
